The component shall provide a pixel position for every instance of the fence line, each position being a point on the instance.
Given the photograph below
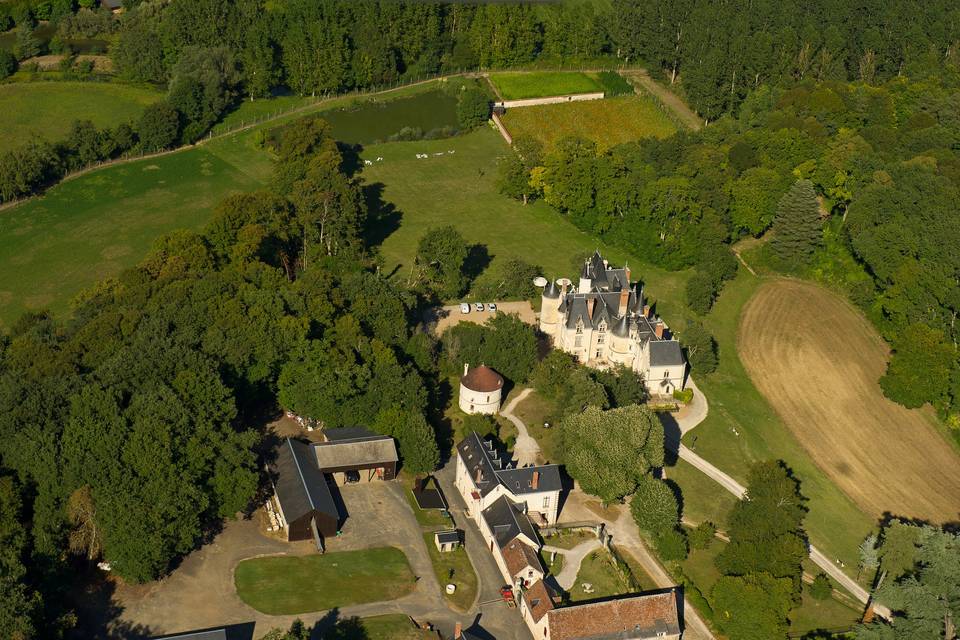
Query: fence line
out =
(317, 100)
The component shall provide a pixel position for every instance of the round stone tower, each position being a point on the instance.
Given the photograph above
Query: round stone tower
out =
(549, 303)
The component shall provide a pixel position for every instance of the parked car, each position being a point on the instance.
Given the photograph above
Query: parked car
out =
(464, 307)
(492, 307)
(479, 306)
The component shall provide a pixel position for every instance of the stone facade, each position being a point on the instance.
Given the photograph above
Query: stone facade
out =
(605, 321)
(480, 390)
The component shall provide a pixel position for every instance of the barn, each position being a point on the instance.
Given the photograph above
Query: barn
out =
(303, 498)
(356, 454)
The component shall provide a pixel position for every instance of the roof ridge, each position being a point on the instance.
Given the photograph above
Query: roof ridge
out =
(303, 481)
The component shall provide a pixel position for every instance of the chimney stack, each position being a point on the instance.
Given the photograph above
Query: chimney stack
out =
(626, 270)
(457, 632)
(590, 303)
(479, 475)
(646, 311)
(658, 329)
(535, 483)
(466, 367)
(606, 265)
(624, 300)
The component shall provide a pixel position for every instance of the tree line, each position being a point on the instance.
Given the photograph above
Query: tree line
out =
(133, 427)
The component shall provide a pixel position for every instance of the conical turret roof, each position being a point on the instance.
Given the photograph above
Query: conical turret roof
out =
(551, 290)
(621, 328)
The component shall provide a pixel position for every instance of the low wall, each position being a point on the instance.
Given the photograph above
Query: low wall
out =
(503, 130)
(532, 102)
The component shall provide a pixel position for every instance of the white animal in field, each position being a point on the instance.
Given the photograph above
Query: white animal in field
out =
(367, 162)
(452, 151)
(439, 153)
(379, 158)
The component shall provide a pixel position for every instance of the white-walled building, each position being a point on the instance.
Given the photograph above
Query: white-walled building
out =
(605, 321)
(480, 390)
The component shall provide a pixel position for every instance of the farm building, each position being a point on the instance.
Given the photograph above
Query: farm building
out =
(302, 497)
(357, 455)
(480, 390)
(447, 540)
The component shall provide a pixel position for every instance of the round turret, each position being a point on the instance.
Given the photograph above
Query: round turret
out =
(480, 390)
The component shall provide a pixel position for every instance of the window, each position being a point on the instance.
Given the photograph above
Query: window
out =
(579, 341)
(597, 354)
(546, 502)
(579, 326)
(666, 374)
(600, 339)
(602, 327)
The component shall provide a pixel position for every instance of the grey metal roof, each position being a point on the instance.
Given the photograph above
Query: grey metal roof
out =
(301, 487)
(356, 452)
(506, 521)
(665, 353)
(212, 634)
(551, 291)
(622, 327)
(520, 481)
(448, 536)
(349, 433)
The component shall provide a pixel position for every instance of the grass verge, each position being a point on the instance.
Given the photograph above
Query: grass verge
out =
(286, 585)
(453, 567)
(519, 86)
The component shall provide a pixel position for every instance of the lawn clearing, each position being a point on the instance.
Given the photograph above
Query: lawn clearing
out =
(817, 360)
(394, 626)
(598, 571)
(568, 539)
(463, 575)
(47, 109)
(607, 122)
(539, 84)
(285, 585)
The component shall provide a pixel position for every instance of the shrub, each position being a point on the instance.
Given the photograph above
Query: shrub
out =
(702, 536)
(820, 588)
(8, 64)
(654, 506)
(613, 84)
(671, 545)
(473, 107)
(480, 424)
(685, 396)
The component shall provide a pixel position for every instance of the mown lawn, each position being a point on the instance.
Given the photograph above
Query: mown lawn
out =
(607, 122)
(48, 109)
(394, 626)
(453, 567)
(284, 585)
(598, 571)
(517, 86)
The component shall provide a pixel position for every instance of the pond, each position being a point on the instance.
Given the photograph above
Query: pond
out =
(431, 114)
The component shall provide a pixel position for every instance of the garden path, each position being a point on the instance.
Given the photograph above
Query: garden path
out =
(526, 450)
(572, 558)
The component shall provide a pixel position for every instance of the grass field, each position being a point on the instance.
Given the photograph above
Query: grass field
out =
(517, 86)
(92, 227)
(394, 626)
(607, 122)
(598, 571)
(459, 189)
(453, 567)
(48, 109)
(817, 360)
(284, 585)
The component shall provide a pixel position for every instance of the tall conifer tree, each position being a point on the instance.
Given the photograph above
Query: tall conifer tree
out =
(797, 228)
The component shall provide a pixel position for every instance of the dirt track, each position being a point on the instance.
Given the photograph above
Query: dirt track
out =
(817, 361)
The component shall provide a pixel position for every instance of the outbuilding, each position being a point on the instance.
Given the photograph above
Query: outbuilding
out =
(447, 540)
(303, 500)
(356, 454)
(481, 389)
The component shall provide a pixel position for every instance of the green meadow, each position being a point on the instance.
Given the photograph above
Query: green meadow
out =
(47, 109)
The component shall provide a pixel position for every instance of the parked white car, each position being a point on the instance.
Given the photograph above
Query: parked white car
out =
(479, 306)
(464, 307)
(492, 307)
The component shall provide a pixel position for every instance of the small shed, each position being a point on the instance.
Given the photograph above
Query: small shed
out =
(447, 541)
(303, 497)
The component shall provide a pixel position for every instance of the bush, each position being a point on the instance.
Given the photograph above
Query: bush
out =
(480, 424)
(473, 107)
(671, 545)
(613, 84)
(8, 64)
(820, 588)
(685, 396)
(701, 537)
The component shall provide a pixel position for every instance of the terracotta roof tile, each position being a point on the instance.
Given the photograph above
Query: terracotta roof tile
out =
(482, 379)
(518, 556)
(539, 600)
(627, 618)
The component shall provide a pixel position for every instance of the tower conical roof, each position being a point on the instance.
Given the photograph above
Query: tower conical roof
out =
(551, 290)
(622, 327)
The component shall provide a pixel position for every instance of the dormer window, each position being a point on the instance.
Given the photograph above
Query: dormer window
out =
(602, 327)
(580, 326)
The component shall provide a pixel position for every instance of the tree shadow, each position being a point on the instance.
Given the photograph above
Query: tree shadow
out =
(98, 614)
(671, 438)
(332, 627)
(383, 218)
(478, 259)
(351, 162)
(442, 425)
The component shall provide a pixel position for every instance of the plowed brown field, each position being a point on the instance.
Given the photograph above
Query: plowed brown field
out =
(817, 361)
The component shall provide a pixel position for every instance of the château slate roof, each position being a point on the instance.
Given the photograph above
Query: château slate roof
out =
(621, 328)
(520, 481)
(210, 634)
(551, 290)
(482, 379)
(301, 486)
(481, 460)
(665, 353)
(476, 456)
(507, 522)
